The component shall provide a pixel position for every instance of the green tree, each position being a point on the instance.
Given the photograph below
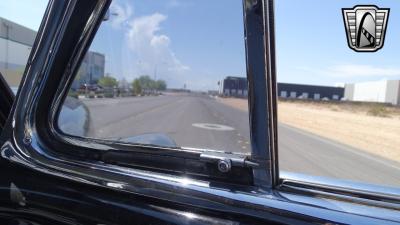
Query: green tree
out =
(137, 87)
(107, 82)
(146, 82)
(161, 85)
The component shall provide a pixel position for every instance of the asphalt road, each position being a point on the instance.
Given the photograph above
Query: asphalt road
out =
(194, 121)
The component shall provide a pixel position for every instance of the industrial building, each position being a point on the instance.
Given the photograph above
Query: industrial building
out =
(384, 91)
(316, 92)
(15, 46)
(237, 87)
(91, 69)
(16, 43)
(233, 86)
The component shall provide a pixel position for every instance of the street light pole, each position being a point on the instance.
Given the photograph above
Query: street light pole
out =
(7, 26)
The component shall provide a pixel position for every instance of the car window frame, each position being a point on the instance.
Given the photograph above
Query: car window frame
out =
(265, 200)
(307, 183)
(199, 164)
(7, 98)
(84, 145)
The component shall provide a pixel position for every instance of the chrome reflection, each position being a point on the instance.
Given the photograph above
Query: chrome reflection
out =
(115, 185)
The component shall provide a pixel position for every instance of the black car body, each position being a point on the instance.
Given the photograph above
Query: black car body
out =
(48, 178)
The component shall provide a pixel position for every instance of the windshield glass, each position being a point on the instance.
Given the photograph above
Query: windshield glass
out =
(166, 73)
(338, 78)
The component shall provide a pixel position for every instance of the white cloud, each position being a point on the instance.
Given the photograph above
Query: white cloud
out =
(119, 14)
(355, 70)
(159, 41)
(152, 49)
(148, 50)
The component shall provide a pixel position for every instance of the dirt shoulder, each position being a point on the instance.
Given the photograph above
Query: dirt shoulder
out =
(372, 128)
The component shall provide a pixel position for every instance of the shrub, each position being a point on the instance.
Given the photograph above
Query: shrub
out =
(73, 94)
(109, 95)
(378, 110)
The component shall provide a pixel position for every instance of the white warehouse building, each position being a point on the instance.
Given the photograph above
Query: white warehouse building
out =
(16, 43)
(384, 91)
(15, 46)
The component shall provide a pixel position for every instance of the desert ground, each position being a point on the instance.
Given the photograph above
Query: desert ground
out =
(372, 128)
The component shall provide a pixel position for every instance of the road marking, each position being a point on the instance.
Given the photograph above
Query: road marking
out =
(213, 126)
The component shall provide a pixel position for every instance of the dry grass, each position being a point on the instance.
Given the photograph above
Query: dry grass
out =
(370, 127)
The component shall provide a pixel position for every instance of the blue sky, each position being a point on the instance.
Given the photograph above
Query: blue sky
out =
(312, 46)
(198, 42)
(187, 42)
(28, 13)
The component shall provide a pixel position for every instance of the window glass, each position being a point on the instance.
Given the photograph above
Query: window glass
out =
(347, 123)
(167, 73)
(19, 22)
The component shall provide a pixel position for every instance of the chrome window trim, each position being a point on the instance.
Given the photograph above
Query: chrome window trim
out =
(252, 201)
(260, 60)
(346, 190)
(24, 148)
(62, 91)
(27, 105)
(312, 184)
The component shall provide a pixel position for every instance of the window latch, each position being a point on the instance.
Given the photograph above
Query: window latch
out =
(225, 161)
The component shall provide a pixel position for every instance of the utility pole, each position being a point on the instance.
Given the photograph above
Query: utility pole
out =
(7, 26)
(155, 72)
